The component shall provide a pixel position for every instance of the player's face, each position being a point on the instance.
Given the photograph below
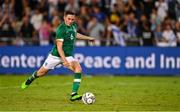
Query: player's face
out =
(69, 19)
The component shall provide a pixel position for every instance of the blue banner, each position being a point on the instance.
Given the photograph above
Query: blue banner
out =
(96, 60)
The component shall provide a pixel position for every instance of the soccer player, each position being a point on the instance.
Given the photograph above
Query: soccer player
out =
(62, 53)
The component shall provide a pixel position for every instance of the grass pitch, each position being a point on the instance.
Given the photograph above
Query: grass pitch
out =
(51, 93)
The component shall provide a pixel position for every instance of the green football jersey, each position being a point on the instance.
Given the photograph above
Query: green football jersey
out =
(67, 34)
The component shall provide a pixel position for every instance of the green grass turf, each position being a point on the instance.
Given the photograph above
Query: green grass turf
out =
(51, 93)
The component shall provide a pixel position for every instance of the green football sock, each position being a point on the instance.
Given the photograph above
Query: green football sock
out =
(32, 78)
(76, 83)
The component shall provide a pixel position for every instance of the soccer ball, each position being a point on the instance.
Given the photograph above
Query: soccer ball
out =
(88, 98)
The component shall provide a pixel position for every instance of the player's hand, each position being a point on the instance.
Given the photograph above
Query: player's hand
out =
(66, 63)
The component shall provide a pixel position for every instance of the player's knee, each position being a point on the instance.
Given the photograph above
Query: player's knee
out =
(78, 70)
(41, 73)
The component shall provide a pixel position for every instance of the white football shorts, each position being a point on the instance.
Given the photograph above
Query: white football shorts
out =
(52, 61)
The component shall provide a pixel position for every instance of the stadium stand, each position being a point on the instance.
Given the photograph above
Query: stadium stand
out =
(140, 22)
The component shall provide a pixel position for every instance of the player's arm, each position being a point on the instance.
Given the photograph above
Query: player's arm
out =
(84, 37)
(61, 52)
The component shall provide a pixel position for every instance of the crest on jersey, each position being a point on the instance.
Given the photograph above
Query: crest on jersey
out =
(71, 37)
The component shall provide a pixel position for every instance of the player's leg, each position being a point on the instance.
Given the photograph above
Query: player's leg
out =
(49, 63)
(41, 72)
(76, 68)
(77, 76)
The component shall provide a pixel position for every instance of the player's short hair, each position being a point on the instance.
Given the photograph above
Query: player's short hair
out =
(69, 13)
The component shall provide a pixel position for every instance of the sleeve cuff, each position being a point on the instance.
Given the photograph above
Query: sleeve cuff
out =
(60, 40)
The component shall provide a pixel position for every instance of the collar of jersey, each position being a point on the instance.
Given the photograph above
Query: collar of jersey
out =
(66, 25)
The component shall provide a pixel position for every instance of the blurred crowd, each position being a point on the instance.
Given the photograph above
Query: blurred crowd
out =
(111, 22)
